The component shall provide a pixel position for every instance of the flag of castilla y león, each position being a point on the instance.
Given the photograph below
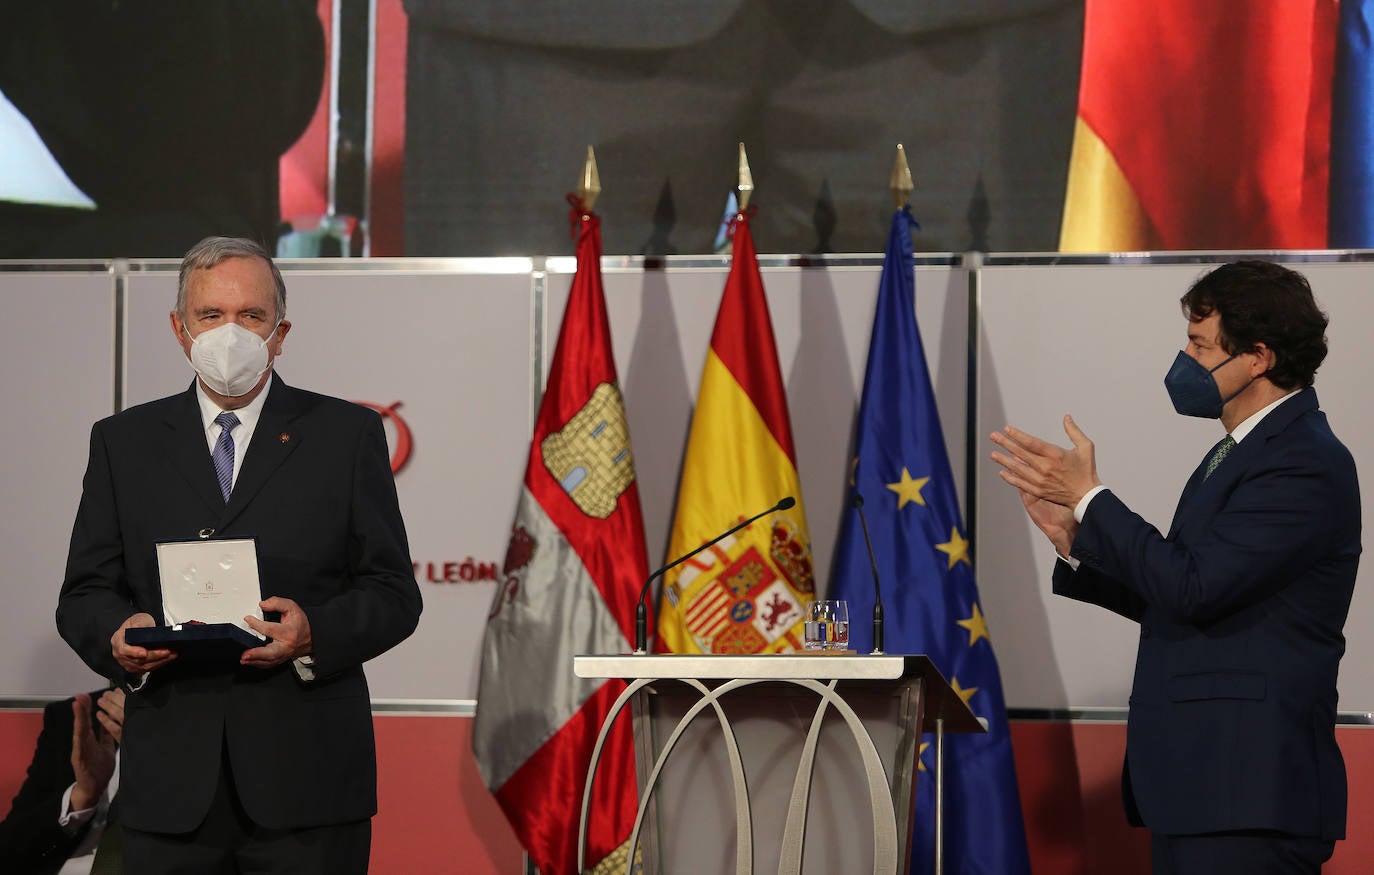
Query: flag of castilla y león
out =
(573, 569)
(745, 594)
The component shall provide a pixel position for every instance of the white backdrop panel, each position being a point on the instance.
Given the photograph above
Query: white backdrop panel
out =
(58, 357)
(1096, 341)
(453, 343)
(454, 350)
(661, 322)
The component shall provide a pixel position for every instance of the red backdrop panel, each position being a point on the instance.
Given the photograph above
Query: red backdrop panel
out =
(437, 817)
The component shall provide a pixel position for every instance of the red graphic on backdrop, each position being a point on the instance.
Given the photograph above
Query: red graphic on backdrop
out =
(401, 454)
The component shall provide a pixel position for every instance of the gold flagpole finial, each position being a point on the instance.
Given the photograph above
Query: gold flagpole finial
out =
(900, 183)
(746, 179)
(590, 185)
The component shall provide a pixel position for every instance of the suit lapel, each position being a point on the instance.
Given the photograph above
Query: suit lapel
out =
(273, 440)
(189, 451)
(1199, 493)
(1185, 500)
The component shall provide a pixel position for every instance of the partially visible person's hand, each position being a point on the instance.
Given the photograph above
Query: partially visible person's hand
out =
(93, 758)
(132, 658)
(290, 634)
(110, 713)
(1044, 470)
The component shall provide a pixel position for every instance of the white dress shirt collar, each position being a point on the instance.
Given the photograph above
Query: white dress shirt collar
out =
(1248, 424)
(243, 432)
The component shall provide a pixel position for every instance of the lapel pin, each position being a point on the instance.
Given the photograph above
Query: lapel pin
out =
(284, 438)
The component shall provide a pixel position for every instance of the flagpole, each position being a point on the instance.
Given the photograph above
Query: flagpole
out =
(901, 186)
(746, 180)
(589, 187)
(939, 795)
(900, 182)
(533, 734)
(755, 454)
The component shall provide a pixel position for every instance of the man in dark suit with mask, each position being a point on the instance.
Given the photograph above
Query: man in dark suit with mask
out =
(1231, 754)
(266, 764)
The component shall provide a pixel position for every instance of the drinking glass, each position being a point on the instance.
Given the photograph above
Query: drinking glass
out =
(827, 626)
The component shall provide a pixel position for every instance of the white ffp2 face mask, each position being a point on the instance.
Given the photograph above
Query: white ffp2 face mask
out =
(230, 359)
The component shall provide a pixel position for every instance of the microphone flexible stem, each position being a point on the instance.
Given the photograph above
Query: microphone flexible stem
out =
(877, 592)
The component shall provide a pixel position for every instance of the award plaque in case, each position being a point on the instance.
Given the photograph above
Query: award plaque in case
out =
(208, 587)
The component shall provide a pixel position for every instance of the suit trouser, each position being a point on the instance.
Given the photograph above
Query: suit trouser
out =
(228, 843)
(1253, 852)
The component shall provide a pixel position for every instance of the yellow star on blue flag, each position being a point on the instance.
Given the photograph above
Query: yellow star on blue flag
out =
(956, 548)
(961, 692)
(977, 626)
(908, 489)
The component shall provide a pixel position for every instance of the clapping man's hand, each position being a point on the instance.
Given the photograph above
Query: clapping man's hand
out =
(93, 752)
(1044, 470)
(1049, 479)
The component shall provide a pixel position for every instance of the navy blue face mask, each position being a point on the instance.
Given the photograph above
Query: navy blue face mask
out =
(1193, 389)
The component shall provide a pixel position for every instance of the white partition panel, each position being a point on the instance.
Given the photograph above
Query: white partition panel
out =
(452, 348)
(449, 349)
(1344, 385)
(1096, 341)
(58, 358)
(661, 321)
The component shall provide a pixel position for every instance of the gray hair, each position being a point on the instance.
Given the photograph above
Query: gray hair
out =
(210, 252)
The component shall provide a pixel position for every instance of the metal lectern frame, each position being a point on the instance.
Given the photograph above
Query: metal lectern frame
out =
(926, 701)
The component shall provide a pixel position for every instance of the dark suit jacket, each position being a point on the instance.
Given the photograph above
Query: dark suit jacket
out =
(316, 491)
(31, 841)
(1241, 609)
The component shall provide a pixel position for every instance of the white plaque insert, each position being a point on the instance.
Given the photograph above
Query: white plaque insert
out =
(210, 582)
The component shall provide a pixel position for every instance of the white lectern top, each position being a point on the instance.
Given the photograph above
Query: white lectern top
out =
(941, 702)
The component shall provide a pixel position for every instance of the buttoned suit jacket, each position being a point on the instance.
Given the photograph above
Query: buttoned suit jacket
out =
(31, 839)
(316, 491)
(1241, 610)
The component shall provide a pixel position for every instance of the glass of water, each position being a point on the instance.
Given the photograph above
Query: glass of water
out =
(827, 626)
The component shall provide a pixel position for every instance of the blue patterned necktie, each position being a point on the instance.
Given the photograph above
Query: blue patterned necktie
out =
(223, 456)
(1219, 452)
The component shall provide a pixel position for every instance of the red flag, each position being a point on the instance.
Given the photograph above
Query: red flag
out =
(1202, 126)
(572, 573)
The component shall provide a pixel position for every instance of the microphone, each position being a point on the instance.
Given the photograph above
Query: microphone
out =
(858, 502)
(641, 612)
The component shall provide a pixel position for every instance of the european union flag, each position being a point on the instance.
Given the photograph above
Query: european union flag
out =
(929, 596)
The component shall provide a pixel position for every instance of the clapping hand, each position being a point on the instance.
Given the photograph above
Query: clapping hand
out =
(93, 754)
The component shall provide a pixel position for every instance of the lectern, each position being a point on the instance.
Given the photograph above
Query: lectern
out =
(756, 743)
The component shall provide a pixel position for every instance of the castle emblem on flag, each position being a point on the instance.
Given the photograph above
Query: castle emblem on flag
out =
(590, 456)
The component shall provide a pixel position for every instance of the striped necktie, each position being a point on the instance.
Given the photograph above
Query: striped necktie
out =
(223, 455)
